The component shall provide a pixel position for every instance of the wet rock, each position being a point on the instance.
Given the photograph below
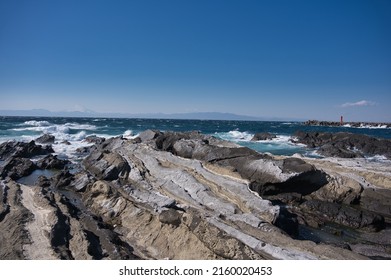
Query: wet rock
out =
(43, 182)
(86, 150)
(94, 139)
(62, 179)
(16, 168)
(52, 162)
(22, 149)
(261, 136)
(344, 215)
(345, 145)
(45, 139)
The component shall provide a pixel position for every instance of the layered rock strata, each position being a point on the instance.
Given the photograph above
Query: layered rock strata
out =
(184, 196)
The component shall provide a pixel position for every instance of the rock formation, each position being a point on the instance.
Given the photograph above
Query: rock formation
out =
(186, 196)
(261, 136)
(345, 145)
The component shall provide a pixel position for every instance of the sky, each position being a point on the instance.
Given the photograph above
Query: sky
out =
(286, 59)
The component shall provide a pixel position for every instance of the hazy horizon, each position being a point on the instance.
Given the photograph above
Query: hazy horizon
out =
(265, 59)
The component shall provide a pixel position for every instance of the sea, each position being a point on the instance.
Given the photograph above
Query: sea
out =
(70, 133)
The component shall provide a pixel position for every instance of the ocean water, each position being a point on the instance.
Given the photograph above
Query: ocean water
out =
(75, 130)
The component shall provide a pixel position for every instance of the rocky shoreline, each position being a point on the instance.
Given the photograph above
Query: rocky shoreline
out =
(348, 124)
(174, 195)
(344, 144)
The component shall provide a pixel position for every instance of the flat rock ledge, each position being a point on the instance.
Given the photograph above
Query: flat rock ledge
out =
(170, 195)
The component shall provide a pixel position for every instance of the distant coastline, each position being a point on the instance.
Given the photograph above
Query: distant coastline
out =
(174, 116)
(348, 124)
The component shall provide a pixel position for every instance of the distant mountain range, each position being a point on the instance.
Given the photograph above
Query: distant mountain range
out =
(91, 114)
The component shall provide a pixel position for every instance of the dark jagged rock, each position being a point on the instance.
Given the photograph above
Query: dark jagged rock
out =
(344, 215)
(62, 179)
(166, 141)
(346, 145)
(94, 139)
(16, 168)
(171, 217)
(22, 149)
(106, 165)
(52, 162)
(45, 139)
(43, 182)
(261, 136)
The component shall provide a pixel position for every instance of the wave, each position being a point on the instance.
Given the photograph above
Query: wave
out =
(378, 158)
(36, 123)
(128, 134)
(46, 127)
(281, 145)
(367, 126)
(235, 136)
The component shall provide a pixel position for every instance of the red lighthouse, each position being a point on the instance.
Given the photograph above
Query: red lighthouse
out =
(341, 120)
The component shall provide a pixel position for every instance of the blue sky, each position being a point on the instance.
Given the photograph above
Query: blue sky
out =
(287, 59)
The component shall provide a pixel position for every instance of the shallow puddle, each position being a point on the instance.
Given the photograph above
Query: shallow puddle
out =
(33, 177)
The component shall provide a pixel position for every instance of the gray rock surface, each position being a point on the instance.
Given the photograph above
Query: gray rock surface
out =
(262, 136)
(345, 145)
(187, 196)
(45, 139)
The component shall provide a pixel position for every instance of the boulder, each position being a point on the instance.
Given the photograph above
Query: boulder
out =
(171, 217)
(94, 139)
(148, 135)
(261, 136)
(45, 139)
(52, 162)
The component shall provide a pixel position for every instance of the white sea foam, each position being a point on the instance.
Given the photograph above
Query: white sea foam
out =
(128, 134)
(236, 136)
(36, 123)
(68, 149)
(378, 158)
(373, 126)
(368, 126)
(57, 130)
(80, 126)
(68, 136)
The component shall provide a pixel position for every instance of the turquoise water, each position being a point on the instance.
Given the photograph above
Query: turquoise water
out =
(74, 130)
